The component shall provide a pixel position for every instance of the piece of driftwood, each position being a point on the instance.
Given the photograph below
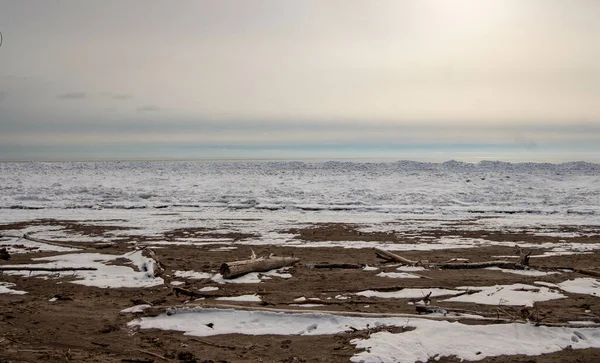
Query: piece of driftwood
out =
(387, 255)
(578, 270)
(28, 237)
(52, 269)
(523, 256)
(202, 305)
(430, 309)
(426, 299)
(194, 294)
(234, 269)
(337, 265)
(152, 354)
(587, 272)
(521, 265)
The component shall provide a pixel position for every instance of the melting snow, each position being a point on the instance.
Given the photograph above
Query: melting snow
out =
(246, 298)
(398, 275)
(523, 272)
(516, 294)
(192, 275)
(253, 277)
(411, 268)
(136, 308)
(105, 276)
(370, 268)
(408, 293)
(476, 341)
(5, 288)
(584, 285)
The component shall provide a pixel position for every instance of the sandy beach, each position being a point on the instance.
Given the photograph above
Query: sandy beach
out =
(59, 319)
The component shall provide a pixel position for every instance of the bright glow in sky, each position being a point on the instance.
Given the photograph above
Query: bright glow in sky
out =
(427, 79)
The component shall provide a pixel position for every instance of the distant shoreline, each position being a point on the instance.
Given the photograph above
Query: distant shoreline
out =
(301, 160)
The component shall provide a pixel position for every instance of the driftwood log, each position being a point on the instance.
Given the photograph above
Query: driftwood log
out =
(234, 269)
(337, 265)
(522, 264)
(387, 255)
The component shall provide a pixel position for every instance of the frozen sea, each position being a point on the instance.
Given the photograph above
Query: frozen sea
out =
(263, 196)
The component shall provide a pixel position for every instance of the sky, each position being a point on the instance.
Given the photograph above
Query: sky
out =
(514, 80)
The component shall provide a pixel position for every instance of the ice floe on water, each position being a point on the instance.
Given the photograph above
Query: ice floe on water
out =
(516, 294)
(414, 344)
(107, 274)
(6, 288)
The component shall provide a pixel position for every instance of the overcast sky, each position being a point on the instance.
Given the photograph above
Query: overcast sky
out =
(464, 79)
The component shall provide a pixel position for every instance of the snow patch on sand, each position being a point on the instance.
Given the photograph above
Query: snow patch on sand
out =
(370, 268)
(411, 268)
(516, 294)
(192, 275)
(245, 298)
(413, 345)
(106, 275)
(523, 272)
(398, 275)
(253, 277)
(136, 309)
(5, 288)
(584, 285)
(408, 293)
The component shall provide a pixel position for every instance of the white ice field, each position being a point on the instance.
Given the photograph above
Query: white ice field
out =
(265, 199)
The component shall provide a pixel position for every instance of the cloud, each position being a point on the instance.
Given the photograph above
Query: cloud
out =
(72, 95)
(148, 108)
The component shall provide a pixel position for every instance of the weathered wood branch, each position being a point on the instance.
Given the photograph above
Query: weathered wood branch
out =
(386, 255)
(430, 309)
(523, 257)
(587, 272)
(193, 294)
(28, 237)
(521, 265)
(234, 269)
(190, 308)
(476, 265)
(337, 265)
(52, 269)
